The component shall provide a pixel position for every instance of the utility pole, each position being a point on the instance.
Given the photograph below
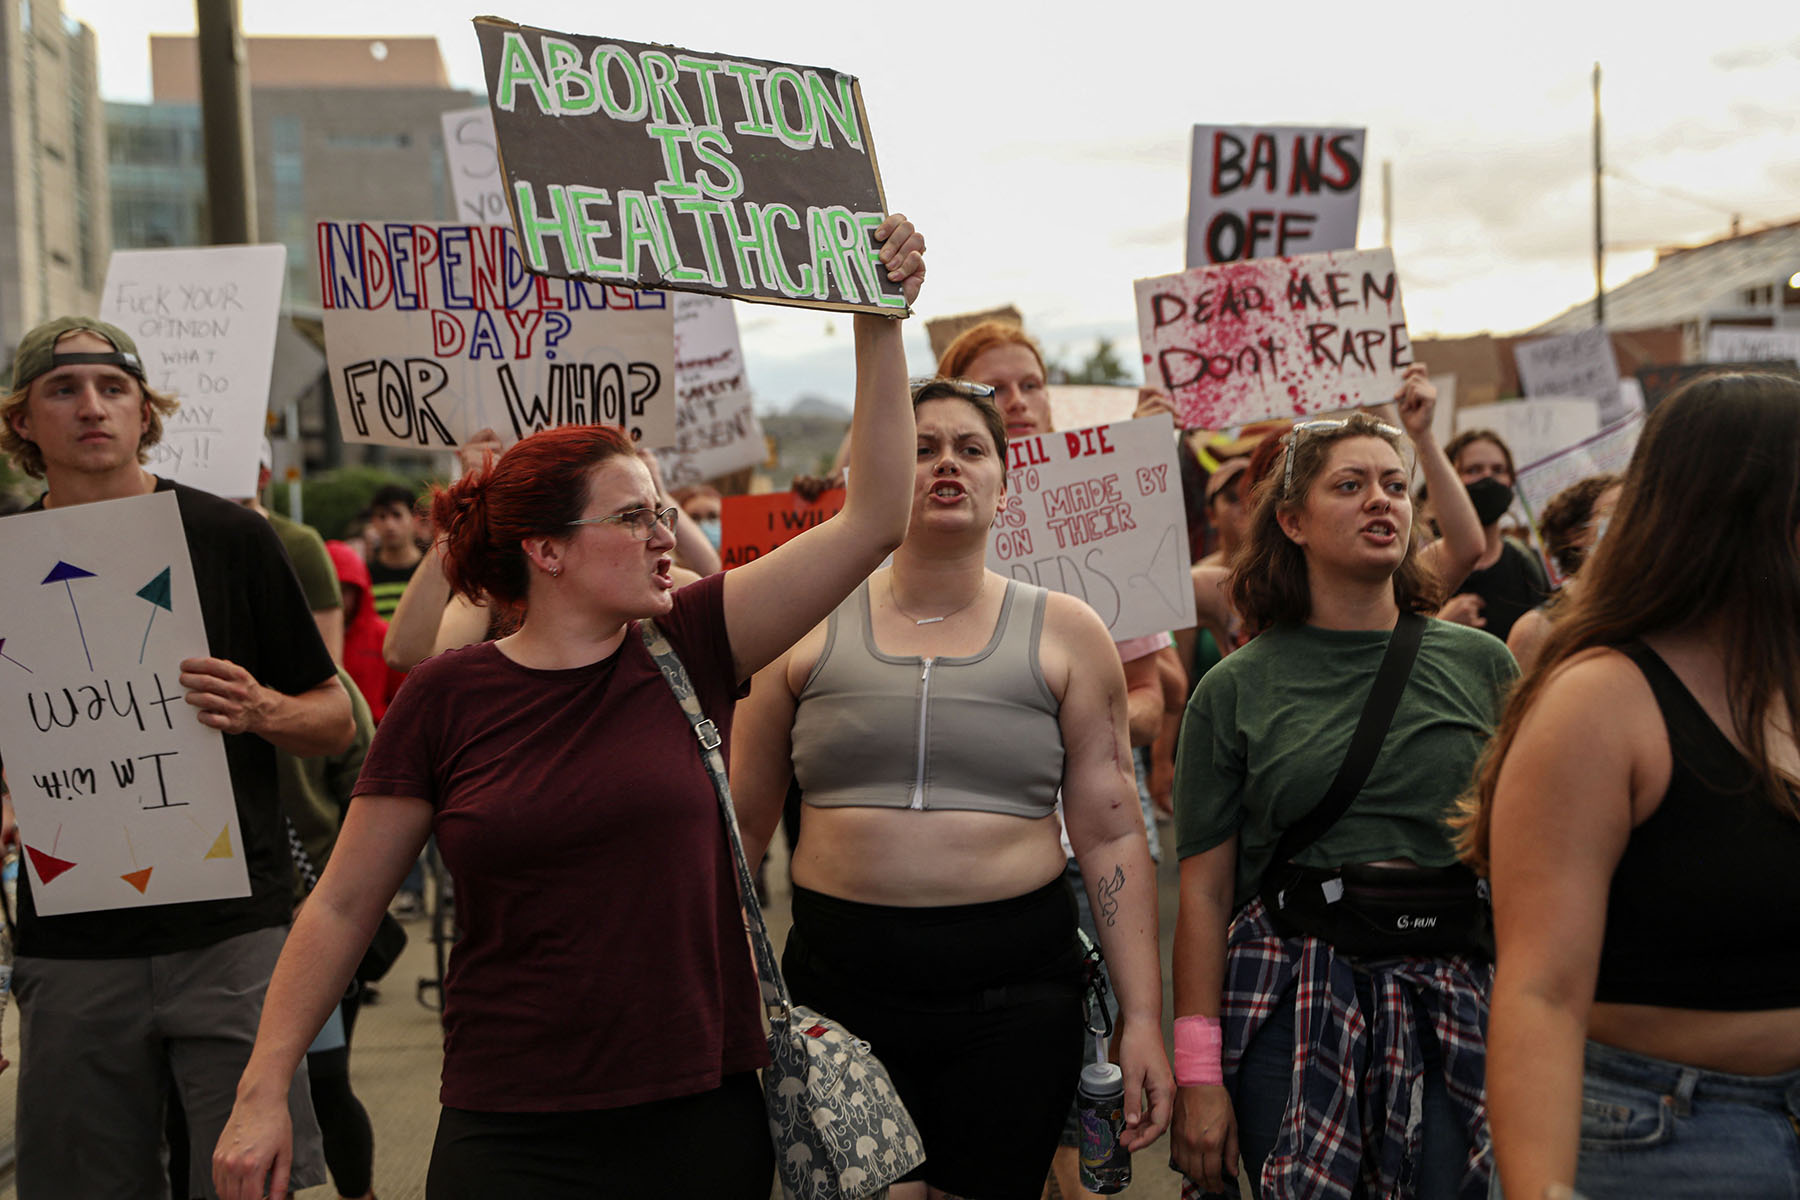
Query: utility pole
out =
(1387, 202)
(225, 123)
(1599, 237)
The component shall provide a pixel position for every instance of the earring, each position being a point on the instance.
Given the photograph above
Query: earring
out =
(555, 572)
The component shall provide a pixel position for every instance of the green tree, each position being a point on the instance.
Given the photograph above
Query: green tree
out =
(1102, 366)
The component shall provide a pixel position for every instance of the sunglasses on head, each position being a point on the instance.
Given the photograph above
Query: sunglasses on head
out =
(1304, 429)
(932, 387)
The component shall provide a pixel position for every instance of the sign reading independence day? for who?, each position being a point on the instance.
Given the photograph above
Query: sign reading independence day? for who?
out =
(1275, 337)
(434, 332)
(653, 166)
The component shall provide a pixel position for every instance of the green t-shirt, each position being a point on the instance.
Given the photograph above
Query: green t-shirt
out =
(306, 550)
(1267, 729)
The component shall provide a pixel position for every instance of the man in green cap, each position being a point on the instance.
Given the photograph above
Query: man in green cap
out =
(117, 1004)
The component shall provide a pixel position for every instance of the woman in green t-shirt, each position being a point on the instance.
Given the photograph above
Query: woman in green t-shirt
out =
(1327, 572)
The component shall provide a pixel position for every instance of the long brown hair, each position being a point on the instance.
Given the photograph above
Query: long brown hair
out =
(1704, 530)
(1268, 575)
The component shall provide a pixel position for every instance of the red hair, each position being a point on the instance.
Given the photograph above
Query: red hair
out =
(977, 340)
(534, 490)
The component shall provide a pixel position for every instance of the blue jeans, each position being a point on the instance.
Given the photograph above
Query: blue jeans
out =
(1260, 1095)
(1656, 1128)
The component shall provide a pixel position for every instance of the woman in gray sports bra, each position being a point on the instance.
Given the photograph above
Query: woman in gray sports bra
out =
(931, 722)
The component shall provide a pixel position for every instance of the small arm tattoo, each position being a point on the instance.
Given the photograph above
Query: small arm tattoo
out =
(1109, 890)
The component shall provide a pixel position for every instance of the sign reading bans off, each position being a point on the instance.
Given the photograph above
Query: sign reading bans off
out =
(1275, 337)
(660, 167)
(1272, 191)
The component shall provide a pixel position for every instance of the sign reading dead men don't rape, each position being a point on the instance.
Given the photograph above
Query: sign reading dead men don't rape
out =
(434, 332)
(653, 166)
(1275, 337)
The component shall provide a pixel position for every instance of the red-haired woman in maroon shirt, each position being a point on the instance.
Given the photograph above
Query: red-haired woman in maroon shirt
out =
(601, 1017)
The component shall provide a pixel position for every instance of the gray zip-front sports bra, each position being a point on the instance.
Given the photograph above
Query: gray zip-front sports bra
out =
(977, 733)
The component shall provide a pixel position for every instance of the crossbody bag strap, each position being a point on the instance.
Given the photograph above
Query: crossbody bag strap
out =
(1365, 744)
(774, 987)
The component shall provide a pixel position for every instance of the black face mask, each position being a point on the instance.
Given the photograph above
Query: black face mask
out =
(1491, 498)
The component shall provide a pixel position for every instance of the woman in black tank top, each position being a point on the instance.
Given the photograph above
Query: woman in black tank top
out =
(1639, 820)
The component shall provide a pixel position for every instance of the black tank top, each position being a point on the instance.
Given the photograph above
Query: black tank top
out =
(1704, 910)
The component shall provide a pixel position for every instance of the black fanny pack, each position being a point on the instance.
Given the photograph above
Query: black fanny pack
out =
(1369, 911)
(1386, 912)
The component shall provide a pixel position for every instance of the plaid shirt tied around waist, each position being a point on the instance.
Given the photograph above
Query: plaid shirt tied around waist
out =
(1356, 1102)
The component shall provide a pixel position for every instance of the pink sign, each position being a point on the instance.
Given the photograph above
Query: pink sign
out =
(1275, 337)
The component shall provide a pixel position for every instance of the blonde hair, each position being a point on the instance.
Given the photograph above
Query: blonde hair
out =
(30, 459)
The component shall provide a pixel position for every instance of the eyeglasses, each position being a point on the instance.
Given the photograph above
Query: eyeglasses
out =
(641, 521)
(1304, 429)
(920, 384)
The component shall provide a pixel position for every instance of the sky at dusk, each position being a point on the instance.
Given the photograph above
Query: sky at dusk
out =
(1045, 158)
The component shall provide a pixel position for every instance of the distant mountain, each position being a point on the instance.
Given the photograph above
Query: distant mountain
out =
(819, 406)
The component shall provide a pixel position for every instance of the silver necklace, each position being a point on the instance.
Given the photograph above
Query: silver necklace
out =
(895, 597)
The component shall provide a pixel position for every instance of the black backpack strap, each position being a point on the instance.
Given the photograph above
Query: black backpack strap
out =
(1365, 744)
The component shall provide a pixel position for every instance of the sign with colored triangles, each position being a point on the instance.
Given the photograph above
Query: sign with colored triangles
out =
(112, 778)
(48, 866)
(158, 593)
(62, 573)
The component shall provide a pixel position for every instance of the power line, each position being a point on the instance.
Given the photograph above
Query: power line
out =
(1685, 197)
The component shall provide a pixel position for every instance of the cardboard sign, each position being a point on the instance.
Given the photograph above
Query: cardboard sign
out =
(433, 332)
(1275, 337)
(1535, 429)
(1661, 382)
(751, 526)
(716, 430)
(1272, 192)
(475, 167)
(204, 322)
(1443, 417)
(1075, 405)
(1744, 343)
(652, 166)
(1575, 364)
(124, 799)
(941, 331)
(1097, 513)
(1607, 451)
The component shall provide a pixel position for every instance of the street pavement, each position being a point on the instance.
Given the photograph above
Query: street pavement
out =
(397, 1053)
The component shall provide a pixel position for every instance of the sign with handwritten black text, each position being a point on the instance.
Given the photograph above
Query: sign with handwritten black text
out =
(204, 321)
(123, 797)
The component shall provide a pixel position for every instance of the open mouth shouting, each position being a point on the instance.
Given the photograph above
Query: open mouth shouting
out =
(948, 491)
(1382, 531)
(660, 573)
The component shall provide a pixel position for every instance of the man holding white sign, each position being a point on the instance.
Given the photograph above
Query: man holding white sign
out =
(118, 1002)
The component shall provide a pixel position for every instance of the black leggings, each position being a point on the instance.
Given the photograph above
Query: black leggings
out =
(975, 1011)
(712, 1146)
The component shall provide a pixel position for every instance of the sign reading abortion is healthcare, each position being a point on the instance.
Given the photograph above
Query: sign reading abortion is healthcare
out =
(658, 167)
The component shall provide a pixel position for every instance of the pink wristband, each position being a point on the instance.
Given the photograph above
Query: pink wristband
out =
(1198, 1042)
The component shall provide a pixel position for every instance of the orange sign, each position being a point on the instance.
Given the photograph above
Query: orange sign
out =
(751, 526)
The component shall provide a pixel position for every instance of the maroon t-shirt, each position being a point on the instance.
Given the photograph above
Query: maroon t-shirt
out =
(603, 960)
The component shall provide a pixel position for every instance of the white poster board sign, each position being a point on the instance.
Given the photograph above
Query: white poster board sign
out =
(1607, 451)
(1275, 337)
(1074, 405)
(1443, 417)
(1097, 513)
(123, 798)
(474, 167)
(1745, 343)
(1272, 192)
(716, 430)
(1535, 429)
(433, 332)
(1574, 364)
(204, 322)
